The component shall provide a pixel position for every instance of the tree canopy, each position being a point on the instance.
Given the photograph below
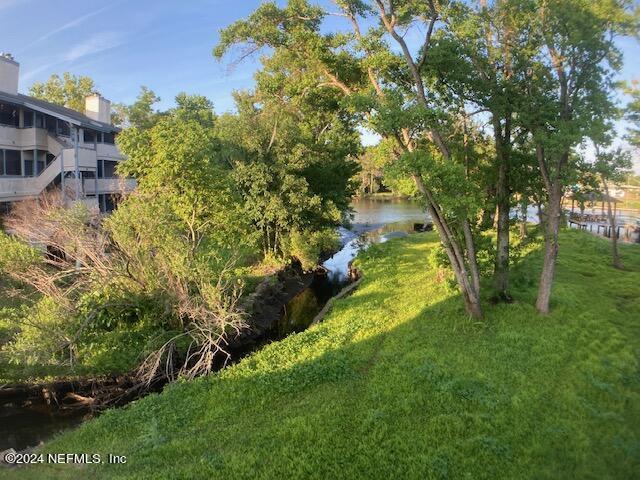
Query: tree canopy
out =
(68, 91)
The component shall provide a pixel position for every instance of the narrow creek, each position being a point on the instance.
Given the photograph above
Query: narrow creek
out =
(375, 221)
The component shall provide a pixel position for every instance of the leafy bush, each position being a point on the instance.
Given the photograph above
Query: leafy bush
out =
(307, 246)
(45, 335)
(15, 254)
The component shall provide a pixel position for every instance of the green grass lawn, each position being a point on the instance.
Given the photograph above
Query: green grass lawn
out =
(399, 383)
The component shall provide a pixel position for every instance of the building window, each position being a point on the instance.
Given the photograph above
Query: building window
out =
(28, 168)
(8, 115)
(63, 129)
(28, 160)
(12, 163)
(50, 123)
(41, 161)
(28, 118)
(109, 169)
(109, 137)
(89, 136)
(40, 122)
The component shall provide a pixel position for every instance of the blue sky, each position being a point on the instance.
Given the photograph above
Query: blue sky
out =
(165, 45)
(162, 44)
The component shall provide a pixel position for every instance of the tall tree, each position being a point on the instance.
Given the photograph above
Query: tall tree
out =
(482, 58)
(196, 108)
(570, 89)
(387, 90)
(139, 114)
(69, 91)
(293, 162)
(190, 179)
(612, 167)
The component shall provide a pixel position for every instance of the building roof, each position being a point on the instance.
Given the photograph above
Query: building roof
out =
(57, 111)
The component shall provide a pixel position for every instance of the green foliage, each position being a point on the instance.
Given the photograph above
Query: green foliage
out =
(456, 193)
(15, 254)
(43, 336)
(69, 91)
(154, 266)
(307, 246)
(613, 166)
(397, 371)
(633, 113)
(292, 165)
(377, 170)
(194, 108)
(140, 114)
(571, 81)
(187, 177)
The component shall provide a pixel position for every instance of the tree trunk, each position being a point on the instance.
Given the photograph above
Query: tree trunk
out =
(471, 255)
(470, 289)
(617, 263)
(524, 205)
(449, 240)
(501, 266)
(551, 228)
(503, 207)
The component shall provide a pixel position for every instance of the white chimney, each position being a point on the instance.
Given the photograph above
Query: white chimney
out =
(98, 108)
(9, 70)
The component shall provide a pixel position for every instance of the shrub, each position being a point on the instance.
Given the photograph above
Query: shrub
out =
(307, 247)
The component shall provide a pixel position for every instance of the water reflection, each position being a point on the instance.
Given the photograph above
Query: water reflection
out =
(375, 221)
(27, 427)
(371, 213)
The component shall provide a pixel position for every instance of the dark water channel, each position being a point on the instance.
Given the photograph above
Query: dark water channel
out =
(22, 427)
(374, 221)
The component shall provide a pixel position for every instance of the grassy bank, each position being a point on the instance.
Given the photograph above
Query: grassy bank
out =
(398, 383)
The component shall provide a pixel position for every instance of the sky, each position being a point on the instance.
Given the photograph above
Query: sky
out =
(162, 44)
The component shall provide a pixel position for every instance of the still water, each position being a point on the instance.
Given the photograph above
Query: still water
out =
(374, 221)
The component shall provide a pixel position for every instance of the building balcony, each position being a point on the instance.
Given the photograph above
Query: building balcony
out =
(16, 188)
(108, 185)
(108, 151)
(25, 138)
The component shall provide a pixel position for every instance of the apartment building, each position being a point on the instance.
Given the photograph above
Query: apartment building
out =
(44, 146)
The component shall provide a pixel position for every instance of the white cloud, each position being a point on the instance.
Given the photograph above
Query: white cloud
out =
(92, 45)
(69, 25)
(96, 43)
(32, 73)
